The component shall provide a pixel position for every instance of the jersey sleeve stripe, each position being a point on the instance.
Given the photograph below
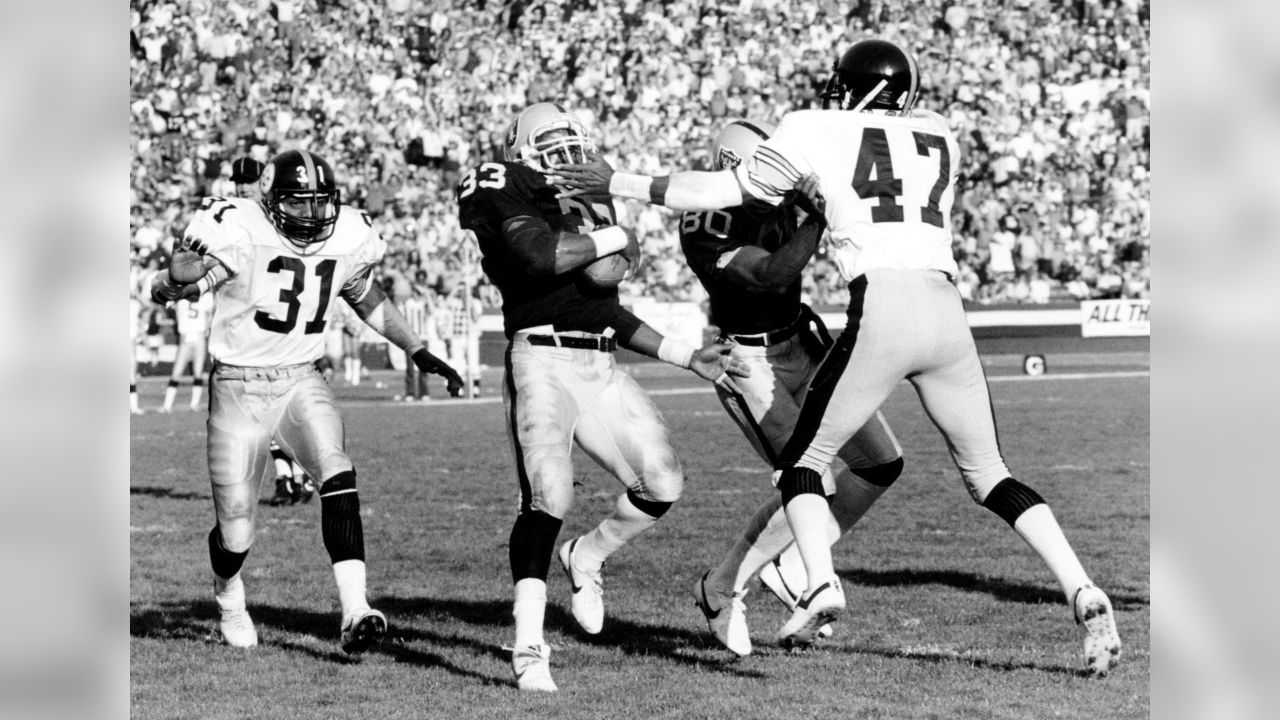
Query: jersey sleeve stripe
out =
(777, 161)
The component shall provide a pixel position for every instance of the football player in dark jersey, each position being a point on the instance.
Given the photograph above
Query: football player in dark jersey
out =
(749, 259)
(562, 385)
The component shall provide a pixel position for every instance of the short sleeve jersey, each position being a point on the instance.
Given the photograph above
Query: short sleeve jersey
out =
(276, 305)
(496, 192)
(710, 241)
(889, 183)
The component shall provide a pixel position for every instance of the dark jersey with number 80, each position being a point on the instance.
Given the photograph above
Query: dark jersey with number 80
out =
(495, 192)
(710, 238)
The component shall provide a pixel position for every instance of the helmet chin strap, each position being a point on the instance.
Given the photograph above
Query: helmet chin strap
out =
(871, 95)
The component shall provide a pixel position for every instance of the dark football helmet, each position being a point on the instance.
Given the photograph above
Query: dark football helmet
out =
(873, 75)
(545, 135)
(737, 141)
(300, 196)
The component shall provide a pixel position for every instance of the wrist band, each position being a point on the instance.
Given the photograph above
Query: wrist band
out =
(658, 190)
(608, 240)
(676, 353)
(627, 185)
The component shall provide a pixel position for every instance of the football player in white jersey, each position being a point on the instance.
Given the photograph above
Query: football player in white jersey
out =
(749, 259)
(193, 327)
(277, 267)
(888, 176)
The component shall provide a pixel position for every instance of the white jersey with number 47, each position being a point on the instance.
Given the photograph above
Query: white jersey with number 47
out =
(889, 183)
(276, 305)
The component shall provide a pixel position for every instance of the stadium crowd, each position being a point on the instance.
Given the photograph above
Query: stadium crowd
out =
(1050, 101)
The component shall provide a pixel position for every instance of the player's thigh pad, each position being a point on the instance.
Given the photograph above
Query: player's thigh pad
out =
(876, 350)
(624, 432)
(238, 448)
(765, 410)
(310, 427)
(540, 413)
(954, 394)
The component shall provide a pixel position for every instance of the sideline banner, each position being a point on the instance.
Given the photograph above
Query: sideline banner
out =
(1115, 318)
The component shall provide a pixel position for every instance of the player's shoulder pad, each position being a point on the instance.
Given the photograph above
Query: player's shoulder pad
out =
(355, 232)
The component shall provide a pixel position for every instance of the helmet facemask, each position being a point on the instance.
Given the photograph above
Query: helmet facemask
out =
(304, 217)
(557, 143)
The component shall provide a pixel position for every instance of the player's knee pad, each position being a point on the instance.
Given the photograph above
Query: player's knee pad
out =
(225, 562)
(665, 485)
(653, 508)
(533, 540)
(173, 382)
(1010, 498)
(340, 523)
(197, 381)
(881, 475)
(796, 481)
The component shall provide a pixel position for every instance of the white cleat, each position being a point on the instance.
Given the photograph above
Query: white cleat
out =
(728, 622)
(363, 630)
(771, 578)
(587, 601)
(820, 607)
(1093, 610)
(532, 667)
(235, 624)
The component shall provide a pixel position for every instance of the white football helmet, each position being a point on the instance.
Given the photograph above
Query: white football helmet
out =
(545, 135)
(737, 141)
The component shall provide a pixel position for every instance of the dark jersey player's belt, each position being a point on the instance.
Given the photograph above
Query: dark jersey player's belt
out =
(573, 342)
(766, 339)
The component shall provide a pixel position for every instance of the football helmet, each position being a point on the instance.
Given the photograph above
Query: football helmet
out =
(545, 135)
(300, 196)
(873, 75)
(736, 142)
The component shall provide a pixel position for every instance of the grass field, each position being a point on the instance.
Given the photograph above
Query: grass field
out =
(951, 615)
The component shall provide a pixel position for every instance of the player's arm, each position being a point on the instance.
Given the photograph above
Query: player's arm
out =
(711, 362)
(548, 252)
(690, 190)
(165, 286)
(762, 271)
(373, 306)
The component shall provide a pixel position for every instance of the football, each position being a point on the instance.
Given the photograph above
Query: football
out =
(608, 271)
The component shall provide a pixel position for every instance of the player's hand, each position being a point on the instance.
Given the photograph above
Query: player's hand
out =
(809, 196)
(632, 251)
(188, 262)
(590, 178)
(433, 365)
(714, 363)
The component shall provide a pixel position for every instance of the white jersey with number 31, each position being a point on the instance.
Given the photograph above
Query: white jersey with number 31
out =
(275, 308)
(889, 183)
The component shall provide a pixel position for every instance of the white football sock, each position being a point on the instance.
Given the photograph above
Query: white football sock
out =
(810, 519)
(1041, 531)
(350, 575)
(529, 611)
(170, 393)
(196, 393)
(626, 522)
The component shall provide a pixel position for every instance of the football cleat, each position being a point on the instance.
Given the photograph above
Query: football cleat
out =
(1093, 610)
(532, 667)
(284, 492)
(237, 628)
(235, 625)
(729, 621)
(820, 607)
(303, 491)
(771, 578)
(587, 601)
(362, 631)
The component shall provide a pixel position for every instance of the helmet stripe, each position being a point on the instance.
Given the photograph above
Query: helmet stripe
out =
(753, 128)
(311, 170)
